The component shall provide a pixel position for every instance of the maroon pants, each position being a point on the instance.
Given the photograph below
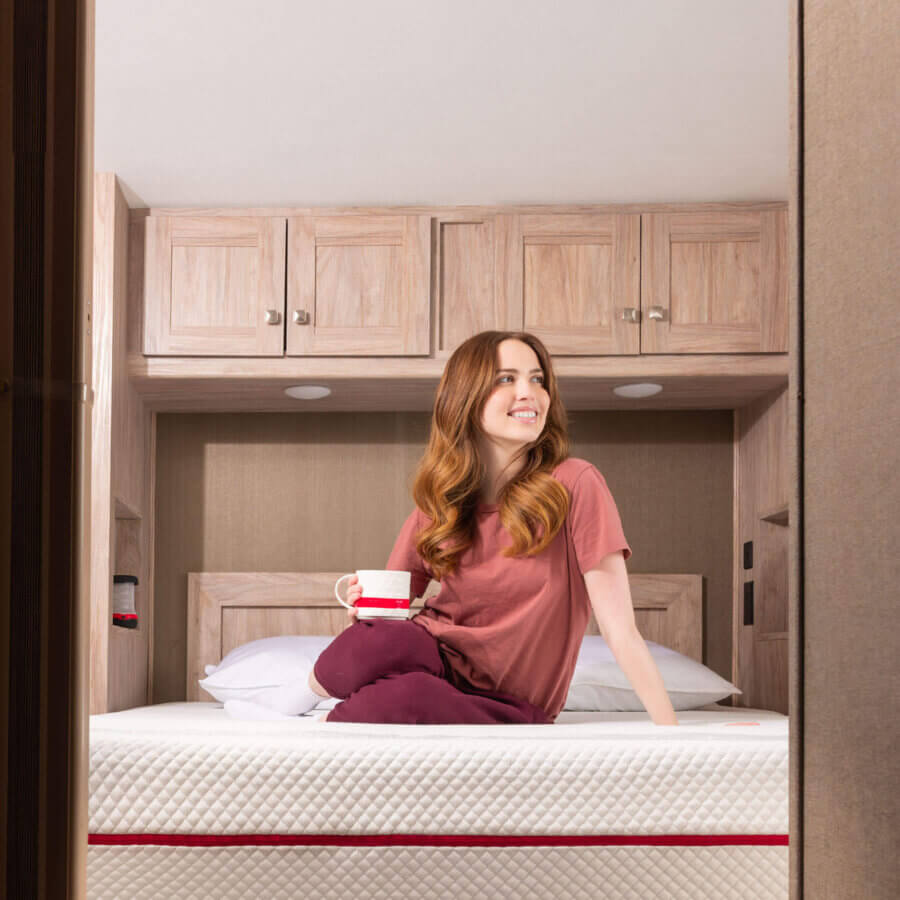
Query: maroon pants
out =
(393, 671)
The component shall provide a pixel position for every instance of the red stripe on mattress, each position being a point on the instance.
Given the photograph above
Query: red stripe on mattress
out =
(437, 840)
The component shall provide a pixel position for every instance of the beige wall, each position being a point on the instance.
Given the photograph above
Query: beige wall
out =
(851, 430)
(329, 491)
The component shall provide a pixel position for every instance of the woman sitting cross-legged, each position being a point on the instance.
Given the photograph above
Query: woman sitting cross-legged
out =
(524, 540)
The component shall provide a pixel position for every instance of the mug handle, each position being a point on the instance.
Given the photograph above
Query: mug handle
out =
(336, 594)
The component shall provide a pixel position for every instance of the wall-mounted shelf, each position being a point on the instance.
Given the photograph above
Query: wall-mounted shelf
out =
(777, 516)
(379, 384)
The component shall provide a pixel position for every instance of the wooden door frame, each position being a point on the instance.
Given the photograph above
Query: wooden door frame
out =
(63, 842)
(46, 97)
(795, 451)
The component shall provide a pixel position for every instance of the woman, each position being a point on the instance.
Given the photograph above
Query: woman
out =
(499, 643)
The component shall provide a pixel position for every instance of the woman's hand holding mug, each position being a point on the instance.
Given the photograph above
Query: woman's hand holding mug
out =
(354, 592)
(376, 594)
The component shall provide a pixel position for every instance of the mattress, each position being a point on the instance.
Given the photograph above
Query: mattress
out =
(182, 792)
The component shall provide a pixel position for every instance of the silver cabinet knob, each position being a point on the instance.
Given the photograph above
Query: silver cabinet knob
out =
(301, 317)
(656, 312)
(273, 317)
(630, 314)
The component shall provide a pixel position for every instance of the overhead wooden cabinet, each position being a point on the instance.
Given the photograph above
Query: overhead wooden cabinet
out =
(569, 278)
(214, 286)
(465, 278)
(714, 282)
(358, 285)
(604, 283)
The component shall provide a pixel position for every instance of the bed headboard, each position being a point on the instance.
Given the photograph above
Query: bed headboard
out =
(227, 609)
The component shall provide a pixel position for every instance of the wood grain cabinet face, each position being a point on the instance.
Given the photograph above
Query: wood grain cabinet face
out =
(465, 263)
(714, 282)
(210, 285)
(568, 279)
(358, 286)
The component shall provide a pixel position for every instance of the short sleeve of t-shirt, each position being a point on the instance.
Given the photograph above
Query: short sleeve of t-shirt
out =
(405, 558)
(594, 520)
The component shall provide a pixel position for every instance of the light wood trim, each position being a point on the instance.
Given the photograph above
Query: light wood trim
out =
(680, 597)
(120, 482)
(509, 283)
(416, 312)
(301, 284)
(474, 210)
(137, 228)
(104, 215)
(465, 298)
(761, 512)
(142, 369)
(773, 281)
(380, 384)
(150, 546)
(417, 395)
(737, 571)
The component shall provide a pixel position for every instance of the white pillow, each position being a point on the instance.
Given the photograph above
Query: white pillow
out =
(598, 682)
(271, 672)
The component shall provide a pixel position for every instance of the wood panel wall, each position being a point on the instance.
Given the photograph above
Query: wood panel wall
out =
(121, 470)
(761, 518)
(286, 492)
(850, 433)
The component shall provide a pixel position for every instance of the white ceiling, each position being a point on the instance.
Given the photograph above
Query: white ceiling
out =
(442, 102)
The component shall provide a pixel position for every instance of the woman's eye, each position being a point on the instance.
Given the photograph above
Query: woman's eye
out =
(540, 378)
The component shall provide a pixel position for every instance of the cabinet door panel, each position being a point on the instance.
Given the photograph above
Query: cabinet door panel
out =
(210, 287)
(465, 281)
(569, 278)
(358, 285)
(209, 283)
(562, 281)
(719, 280)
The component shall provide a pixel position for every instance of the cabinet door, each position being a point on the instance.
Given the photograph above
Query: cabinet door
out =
(569, 278)
(714, 282)
(358, 285)
(214, 286)
(466, 296)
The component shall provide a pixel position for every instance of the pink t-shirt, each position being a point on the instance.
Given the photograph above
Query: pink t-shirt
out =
(515, 624)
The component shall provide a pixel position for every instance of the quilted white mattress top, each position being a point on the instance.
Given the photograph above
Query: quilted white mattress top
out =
(186, 768)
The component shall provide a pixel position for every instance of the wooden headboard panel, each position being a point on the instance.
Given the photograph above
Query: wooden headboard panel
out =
(227, 609)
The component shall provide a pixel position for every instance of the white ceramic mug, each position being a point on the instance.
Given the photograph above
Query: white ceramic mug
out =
(385, 594)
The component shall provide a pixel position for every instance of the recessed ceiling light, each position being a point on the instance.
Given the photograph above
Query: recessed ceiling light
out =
(307, 391)
(637, 391)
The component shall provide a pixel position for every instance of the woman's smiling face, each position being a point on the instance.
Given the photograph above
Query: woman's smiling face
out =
(518, 385)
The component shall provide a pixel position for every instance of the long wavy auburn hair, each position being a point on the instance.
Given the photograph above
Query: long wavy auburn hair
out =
(447, 483)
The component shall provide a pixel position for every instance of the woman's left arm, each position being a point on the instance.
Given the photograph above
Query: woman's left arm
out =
(610, 595)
